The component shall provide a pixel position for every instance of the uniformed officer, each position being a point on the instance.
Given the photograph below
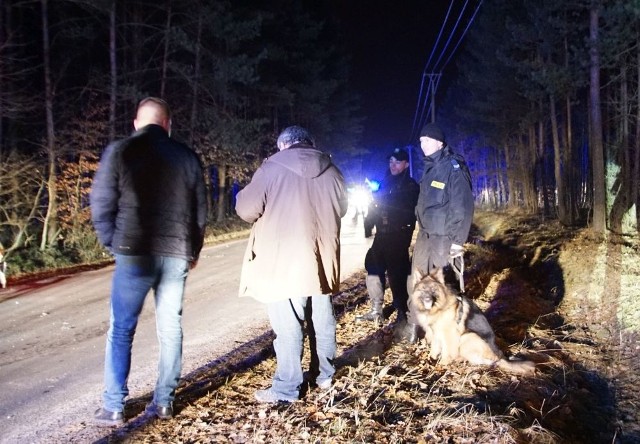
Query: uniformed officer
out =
(392, 213)
(444, 209)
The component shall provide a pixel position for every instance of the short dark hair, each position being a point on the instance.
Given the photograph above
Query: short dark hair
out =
(295, 134)
(158, 104)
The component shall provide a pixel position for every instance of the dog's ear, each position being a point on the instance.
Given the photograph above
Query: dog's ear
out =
(417, 276)
(438, 275)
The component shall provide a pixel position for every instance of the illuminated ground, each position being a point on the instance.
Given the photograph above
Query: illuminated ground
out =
(555, 295)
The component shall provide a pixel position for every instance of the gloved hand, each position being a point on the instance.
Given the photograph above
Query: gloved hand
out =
(456, 250)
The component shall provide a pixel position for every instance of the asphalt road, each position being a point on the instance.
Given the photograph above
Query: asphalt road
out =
(52, 336)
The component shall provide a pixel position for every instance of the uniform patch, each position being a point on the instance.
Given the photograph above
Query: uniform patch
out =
(436, 184)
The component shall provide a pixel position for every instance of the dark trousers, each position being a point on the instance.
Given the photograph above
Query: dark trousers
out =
(389, 254)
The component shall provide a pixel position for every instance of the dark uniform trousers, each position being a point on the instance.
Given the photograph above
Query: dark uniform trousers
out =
(390, 253)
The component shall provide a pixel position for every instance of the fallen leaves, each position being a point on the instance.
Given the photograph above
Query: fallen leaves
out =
(533, 282)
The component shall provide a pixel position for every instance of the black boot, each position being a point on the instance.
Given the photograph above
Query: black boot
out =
(411, 333)
(374, 315)
(376, 294)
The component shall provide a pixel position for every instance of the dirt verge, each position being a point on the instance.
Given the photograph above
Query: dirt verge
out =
(557, 296)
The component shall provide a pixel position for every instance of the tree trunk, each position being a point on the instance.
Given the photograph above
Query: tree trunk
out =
(195, 84)
(635, 177)
(165, 54)
(113, 99)
(529, 162)
(543, 175)
(625, 153)
(222, 193)
(557, 163)
(50, 226)
(597, 145)
(511, 171)
(568, 160)
(502, 194)
(622, 202)
(3, 45)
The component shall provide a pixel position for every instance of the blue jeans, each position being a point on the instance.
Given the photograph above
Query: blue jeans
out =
(134, 276)
(287, 319)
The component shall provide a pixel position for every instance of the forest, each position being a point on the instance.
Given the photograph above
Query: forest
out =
(543, 100)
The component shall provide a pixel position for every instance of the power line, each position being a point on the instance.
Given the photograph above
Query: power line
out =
(434, 80)
(446, 18)
(424, 71)
(455, 27)
(434, 77)
(464, 33)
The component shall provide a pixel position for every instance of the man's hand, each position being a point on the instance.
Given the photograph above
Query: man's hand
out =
(193, 264)
(456, 250)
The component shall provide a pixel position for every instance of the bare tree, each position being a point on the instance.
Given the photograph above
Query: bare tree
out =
(165, 52)
(597, 145)
(21, 188)
(529, 165)
(3, 44)
(113, 93)
(50, 225)
(16, 100)
(195, 84)
(635, 177)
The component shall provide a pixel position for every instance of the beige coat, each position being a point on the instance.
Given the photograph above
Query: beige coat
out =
(295, 201)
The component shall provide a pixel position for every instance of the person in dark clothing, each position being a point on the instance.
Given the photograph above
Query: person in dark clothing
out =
(444, 210)
(148, 207)
(392, 213)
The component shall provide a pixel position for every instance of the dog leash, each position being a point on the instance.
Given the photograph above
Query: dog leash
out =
(457, 263)
(460, 309)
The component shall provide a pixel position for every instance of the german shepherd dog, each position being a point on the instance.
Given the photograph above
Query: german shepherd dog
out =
(456, 327)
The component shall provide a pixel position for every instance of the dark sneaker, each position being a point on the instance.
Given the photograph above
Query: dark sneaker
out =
(105, 418)
(159, 411)
(268, 396)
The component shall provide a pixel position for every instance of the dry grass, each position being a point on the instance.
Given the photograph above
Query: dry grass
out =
(231, 228)
(386, 391)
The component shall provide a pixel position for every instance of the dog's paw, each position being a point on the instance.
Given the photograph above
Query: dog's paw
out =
(445, 360)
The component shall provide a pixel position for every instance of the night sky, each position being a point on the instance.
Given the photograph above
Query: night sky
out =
(390, 43)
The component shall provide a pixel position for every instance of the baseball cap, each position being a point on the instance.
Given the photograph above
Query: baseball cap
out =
(399, 154)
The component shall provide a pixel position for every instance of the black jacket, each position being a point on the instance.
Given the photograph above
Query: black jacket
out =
(393, 206)
(149, 197)
(445, 205)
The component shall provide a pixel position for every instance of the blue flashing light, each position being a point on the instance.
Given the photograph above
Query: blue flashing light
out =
(372, 184)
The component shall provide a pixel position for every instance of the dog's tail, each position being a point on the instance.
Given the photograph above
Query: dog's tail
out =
(516, 367)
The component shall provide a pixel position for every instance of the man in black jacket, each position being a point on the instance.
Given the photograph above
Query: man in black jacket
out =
(445, 208)
(148, 206)
(392, 214)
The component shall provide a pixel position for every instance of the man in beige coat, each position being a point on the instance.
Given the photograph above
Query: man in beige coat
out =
(295, 201)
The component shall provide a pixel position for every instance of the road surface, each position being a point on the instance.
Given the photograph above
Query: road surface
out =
(53, 336)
